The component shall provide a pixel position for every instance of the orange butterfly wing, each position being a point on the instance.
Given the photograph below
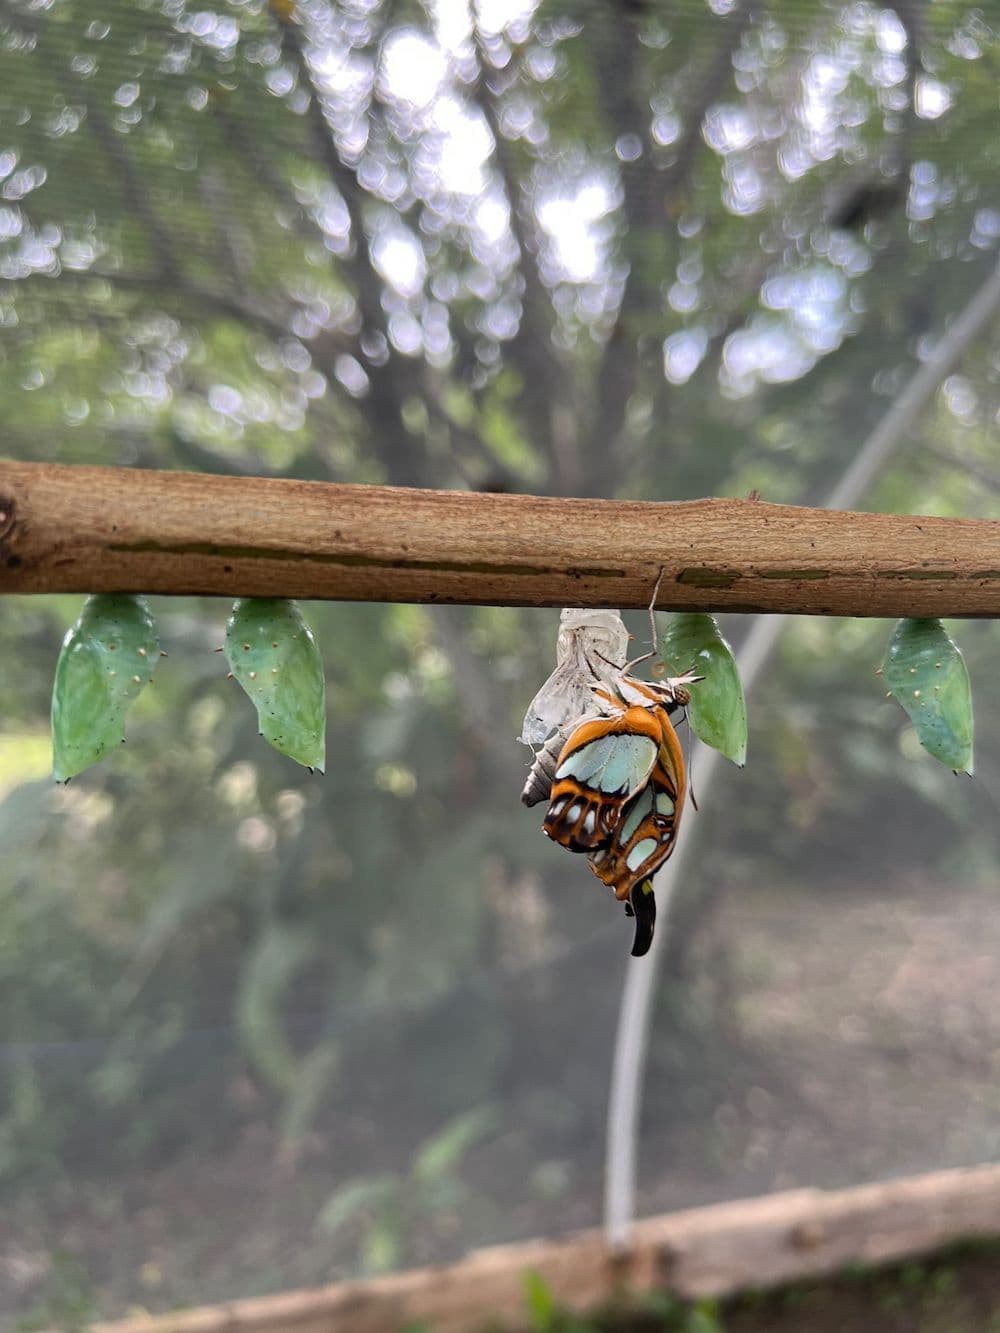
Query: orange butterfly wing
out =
(603, 765)
(646, 833)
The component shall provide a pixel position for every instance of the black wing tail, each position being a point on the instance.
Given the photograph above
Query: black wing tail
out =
(642, 906)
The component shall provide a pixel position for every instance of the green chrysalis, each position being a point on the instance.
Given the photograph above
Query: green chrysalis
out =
(272, 653)
(927, 674)
(717, 711)
(106, 659)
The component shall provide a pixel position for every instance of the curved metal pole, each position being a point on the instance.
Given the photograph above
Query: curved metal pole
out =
(635, 1012)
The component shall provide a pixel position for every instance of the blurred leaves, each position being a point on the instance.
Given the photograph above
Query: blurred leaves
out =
(392, 1206)
(356, 1197)
(541, 1303)
(279, 953)
(445, 1150)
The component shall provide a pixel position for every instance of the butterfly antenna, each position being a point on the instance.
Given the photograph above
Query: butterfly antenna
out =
(606, 660)
(635, 662)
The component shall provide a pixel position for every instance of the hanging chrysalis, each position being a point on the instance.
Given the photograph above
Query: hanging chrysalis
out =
(717, 710)
(926, 673)
(272, 653)
(107, 657)
(591, 648)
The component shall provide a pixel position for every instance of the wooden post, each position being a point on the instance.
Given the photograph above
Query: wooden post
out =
(714, 1251)
(86, 529)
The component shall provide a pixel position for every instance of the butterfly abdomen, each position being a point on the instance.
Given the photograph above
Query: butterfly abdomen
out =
(541, 775)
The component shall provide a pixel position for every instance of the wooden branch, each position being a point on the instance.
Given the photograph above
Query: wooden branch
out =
(88, 529)
(714, 1251)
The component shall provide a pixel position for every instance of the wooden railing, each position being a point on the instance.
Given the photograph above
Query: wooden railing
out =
(714, 1251)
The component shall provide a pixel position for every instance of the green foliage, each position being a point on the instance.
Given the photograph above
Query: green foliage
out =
(106, 659)
(653, 1312)
(540, 1301)
(272, 653)
(444, 1152)
(389, 1207)
(703, 1317)
(278, 956)
(717, 711)
(544, 1312)
(68, 1302)
(927, 675)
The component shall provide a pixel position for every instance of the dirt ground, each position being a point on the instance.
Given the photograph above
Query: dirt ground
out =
(860, 1039)
(849, 1036)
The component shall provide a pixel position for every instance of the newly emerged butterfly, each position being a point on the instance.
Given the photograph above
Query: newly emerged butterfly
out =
(615, 778)
(617, 791)
(608, 760)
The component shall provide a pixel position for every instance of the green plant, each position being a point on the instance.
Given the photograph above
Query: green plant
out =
(67, 1303)
(391, 1206)
(703, 1317)
(546, 1315)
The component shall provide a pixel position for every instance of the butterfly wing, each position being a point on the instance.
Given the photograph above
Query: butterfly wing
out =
(602, 766)
(642, 906)
(646, 834)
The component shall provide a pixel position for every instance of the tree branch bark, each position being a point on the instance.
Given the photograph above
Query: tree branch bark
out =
(135, 195)
(86, 529)
(531, 350)
(401, 453)
(647, 196)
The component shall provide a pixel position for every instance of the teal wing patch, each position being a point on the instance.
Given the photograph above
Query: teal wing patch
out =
(619, 763)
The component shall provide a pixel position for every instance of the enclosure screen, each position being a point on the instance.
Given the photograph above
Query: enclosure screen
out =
(263, 1028)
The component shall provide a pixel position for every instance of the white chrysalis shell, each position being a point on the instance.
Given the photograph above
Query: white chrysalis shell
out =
(592, 647)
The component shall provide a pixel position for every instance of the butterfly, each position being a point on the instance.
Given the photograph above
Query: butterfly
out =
(644, 838)
(617, 790)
